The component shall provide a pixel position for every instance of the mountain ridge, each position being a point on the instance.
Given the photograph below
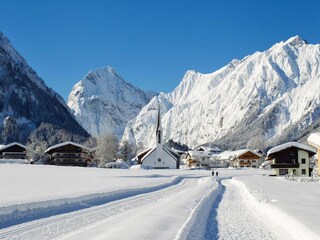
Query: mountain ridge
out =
(264, 91)
(103, 102)
(26, 102)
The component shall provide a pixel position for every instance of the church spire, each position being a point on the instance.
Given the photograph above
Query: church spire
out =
(159, 128)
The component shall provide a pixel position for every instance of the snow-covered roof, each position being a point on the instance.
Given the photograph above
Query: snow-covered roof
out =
(12, 144)
(66, 143)
(291, 144)
(143, 155)
(208, 148)
(177, 151)
(314, 139)
(229, 155)
(201, 154)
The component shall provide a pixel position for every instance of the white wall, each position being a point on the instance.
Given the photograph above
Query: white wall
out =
(166, 161)
(305, 155)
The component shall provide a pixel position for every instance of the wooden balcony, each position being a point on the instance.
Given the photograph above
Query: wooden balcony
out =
(285, 165)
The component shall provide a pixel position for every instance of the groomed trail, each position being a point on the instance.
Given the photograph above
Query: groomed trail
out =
(64, 224)
(235, 218)
(186, 208)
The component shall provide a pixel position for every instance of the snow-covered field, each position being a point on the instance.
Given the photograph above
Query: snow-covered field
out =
(48, 202)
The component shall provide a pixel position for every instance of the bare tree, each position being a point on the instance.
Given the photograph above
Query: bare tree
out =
(107, 146)
(91, 142)
(126, 150)
(36, 150)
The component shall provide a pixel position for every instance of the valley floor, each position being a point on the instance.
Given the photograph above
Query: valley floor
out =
(48, 202)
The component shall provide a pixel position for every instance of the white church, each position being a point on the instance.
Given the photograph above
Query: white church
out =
(159, 157)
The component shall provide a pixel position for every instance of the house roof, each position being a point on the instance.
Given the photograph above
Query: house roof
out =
(66, 143)
(207, 147)
(289, 145)
(3, 147)
(243, 151)
(201, 154)
(230, 155)
(314, 139)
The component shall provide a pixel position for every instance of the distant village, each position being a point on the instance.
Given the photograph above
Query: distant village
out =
(288, 159)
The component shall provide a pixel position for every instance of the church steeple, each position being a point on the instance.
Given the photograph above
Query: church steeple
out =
(159, 128)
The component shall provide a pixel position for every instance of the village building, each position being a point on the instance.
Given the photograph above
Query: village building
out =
(314, 141)
(246, 158)
(159, 157)
(291, 158)
(208, 148)
(198, 159)
(13, 151)
(69, 154)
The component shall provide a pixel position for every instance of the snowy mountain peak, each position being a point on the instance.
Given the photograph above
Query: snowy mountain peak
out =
(105, 74)
(6, 46)
(267, 97)
(296, 40)
(103, 102)
(27, 104)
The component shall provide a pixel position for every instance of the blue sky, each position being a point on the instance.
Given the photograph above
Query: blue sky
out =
(150, 43)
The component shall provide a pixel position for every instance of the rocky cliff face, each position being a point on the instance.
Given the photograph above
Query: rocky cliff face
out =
(264, 99)
(103, 102)
(26, 102)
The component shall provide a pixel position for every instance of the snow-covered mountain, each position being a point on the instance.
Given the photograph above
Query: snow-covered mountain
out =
(266, 98)
(26, 102)
(103, 102)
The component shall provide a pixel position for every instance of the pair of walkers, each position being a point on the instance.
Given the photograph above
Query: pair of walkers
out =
(216, 173)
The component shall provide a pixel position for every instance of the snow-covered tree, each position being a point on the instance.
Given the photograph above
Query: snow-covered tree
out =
(36, 150)
(107, 146)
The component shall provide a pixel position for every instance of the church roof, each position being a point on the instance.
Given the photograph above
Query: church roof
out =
(172, 153)
(141, 155)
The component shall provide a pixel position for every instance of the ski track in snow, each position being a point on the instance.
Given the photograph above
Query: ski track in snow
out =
(235, 220)
(60, 225)
(221, 213)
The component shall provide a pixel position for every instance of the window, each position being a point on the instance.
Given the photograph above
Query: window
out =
(159, 137)
(283, 171)
(159, 159)
(303, 171)
(303, 161)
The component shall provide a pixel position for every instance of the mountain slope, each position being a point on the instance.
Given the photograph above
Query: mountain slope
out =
(266, 98)
(103, 102)
(25, 100)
